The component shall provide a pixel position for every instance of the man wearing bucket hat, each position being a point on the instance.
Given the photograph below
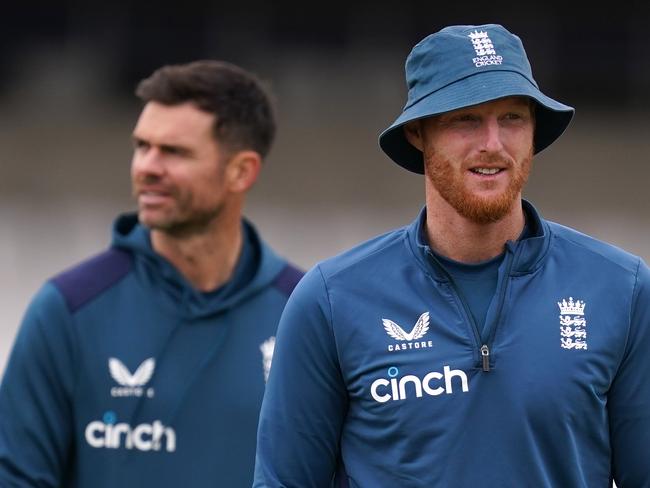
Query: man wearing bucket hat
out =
(481, 345)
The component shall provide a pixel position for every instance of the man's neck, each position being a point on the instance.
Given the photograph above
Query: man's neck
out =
(206, 259)
(463, 240)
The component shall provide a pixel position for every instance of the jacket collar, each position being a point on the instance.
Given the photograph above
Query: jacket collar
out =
(528, 253)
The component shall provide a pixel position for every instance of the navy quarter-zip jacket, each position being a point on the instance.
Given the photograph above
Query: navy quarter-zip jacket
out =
(382, 376)
(124, 375)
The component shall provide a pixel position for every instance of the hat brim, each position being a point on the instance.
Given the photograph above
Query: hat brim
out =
(551, 117)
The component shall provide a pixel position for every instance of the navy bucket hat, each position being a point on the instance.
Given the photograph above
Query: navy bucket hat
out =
(466, 65)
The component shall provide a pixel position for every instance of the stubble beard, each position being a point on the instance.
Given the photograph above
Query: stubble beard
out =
(481, 210)
(184, 219)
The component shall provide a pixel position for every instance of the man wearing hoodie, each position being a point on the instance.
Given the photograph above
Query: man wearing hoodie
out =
(146, 364)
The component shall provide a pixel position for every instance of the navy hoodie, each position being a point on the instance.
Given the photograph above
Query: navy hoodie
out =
(124, 375)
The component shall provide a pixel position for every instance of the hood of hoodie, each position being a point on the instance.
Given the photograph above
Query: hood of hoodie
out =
(255, 272)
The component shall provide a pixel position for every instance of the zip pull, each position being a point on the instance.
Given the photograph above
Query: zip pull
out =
(485, 353)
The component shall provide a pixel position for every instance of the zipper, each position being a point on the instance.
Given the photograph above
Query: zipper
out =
(484, 348)
(485, 354)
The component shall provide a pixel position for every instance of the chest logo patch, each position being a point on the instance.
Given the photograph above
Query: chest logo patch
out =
(573, 325)
(408, 340)
(266, 349)
(131, 385)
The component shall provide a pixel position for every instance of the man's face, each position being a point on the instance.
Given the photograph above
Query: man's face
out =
(478, 158)
(177, 170)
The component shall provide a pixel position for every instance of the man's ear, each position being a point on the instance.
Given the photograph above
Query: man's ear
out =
(242, 170)
(413, 133)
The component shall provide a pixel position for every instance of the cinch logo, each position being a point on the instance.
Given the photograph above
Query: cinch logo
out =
(420, 328)
(383, 390)
(132, 384)
(144, 437)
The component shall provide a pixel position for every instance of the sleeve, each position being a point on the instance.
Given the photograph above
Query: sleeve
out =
(629, 395)
(305, 401)
(35, 397)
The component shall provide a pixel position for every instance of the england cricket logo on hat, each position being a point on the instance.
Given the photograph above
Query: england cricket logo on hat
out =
(486, 55)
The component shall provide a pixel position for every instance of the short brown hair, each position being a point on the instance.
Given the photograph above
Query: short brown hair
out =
(244, 113)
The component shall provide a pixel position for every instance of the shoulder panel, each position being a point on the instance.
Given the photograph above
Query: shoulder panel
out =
(88, 279)
(287, 279)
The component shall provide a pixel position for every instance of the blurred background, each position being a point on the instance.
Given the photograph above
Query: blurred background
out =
(68, 71)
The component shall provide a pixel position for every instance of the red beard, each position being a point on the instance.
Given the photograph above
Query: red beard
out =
(449, 182)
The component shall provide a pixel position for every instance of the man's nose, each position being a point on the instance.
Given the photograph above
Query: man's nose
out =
(148, 161)
(492, 134)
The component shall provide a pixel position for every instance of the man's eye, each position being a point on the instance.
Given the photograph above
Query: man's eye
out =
(172, 150)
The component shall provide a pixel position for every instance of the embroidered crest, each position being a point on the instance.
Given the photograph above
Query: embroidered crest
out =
(267, 348)
(573, 325)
